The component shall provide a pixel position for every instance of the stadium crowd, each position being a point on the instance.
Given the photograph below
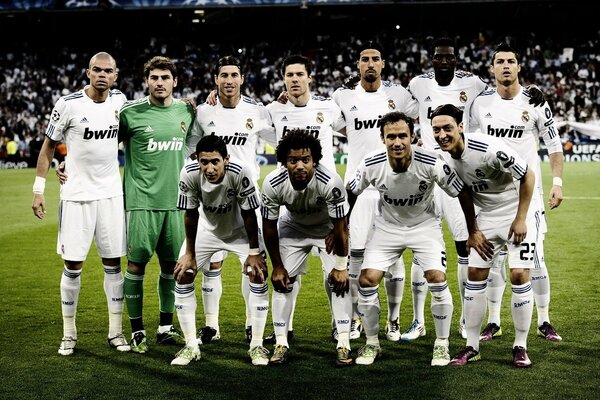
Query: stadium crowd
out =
(33, 80)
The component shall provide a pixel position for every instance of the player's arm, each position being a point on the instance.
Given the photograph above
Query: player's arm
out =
(536, 96)
(518, 228)
(338, 277)
(254, 266)
(43, 165)
(279, 276)
(187, 262)
(556, 166)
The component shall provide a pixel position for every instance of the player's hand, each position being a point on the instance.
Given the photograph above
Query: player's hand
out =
(211, 99)
(536, 96)
(190, 102)
(283, 97)
(479, 242)
(256, 269)
(351, 82)
(280, 279)
(340, 281)
(39, 205)
(61, 174)
(518, 231)
(185, 269)
(556, 197)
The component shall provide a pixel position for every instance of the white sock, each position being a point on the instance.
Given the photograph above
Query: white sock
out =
(441, 308)
(496, 284)
(474, 310)
(394, 288)
(295, 293)
(369, 309)
(355, 263)
(259, 310)
(540, 284)
(70, 285)
(462, 274)
(341, 308)
(281, 308)
(522, 311)
(113, 289)
(245, 287)
(418, 285)
(186, 305)
(212, 288)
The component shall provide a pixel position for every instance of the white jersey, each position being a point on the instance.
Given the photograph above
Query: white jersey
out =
(518, 124)
(310, 210)
(406, 198)
(362, 112)
(461, 91)
(240, 127)
(492, 170)
(219, 204)
(90, 131)
(319, 117)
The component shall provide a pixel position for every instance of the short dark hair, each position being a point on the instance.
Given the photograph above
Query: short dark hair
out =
(298, 139)
(228, 60)
(211, 143)
(450, 110)
(369, 44)
(443, 41)
(504, 47)
(296, 59)
(160, 62)
(396, 116)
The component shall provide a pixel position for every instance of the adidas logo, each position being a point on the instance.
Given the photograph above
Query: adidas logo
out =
(211, 123)
(427, 99)
(488, 115)
(148, 129)
(354, 108)
(84, 121)
(383, 187)
(284, 119)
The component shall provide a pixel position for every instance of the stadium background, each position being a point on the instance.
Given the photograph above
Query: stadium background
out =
(48, 43)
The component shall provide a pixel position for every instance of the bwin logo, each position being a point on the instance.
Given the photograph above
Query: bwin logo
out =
(410, 201)
(110, 133)
(176, 144)
(512, 132)
(367, 124)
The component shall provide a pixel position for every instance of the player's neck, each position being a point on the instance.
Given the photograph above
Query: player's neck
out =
(230, 102)
(301, 100)
(400, 164)
(508, 92)
(370, 86)
(161, 102)
(96, 96)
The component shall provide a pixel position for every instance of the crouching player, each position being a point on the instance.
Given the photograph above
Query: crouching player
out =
(224, 192)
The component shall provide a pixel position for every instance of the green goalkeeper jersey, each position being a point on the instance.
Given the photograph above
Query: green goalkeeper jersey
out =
(154, 139)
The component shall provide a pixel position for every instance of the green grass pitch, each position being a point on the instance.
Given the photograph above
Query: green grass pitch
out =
(32, 326)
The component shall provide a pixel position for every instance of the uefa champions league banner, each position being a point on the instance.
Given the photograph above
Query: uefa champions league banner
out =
(134, 4)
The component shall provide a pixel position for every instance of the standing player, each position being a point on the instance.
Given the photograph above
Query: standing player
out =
(224, 192)
(506, 112)
(91, 206)
(362, 108)
(491, 169)
(445, 85)
(316, 207)
(154, 130)
(405, 177)
(315, 115)
(240, 122)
